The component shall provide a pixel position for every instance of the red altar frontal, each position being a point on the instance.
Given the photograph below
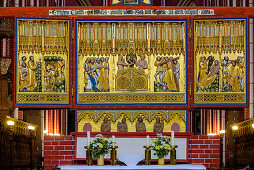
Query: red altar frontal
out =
(132, 71)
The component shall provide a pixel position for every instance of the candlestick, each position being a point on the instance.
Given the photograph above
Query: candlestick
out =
(173, 138)
(113, 140)
(88, 138)
(147, 140)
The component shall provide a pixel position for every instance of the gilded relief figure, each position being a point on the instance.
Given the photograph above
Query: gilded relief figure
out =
(32, 66)
(96, 71)
(159, 71)
(93, 75)
(177, 73)
(122, 126)
(170, 76)
(225, 73)
(23, 78)
(168, 70)
(240, 64)
(60, 69)
(142, 63)
(234, 77)
(211, 77)
(202, 68)
(121, 63)
(106, 125)
(158, 125)
(140, 125)
(54, 76)
(107, 68)
(87, 81)
(103, 80)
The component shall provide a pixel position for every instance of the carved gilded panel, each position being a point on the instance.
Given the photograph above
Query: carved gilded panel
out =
(220, 61)
(42, 61)
(131, 62)
(117, 120)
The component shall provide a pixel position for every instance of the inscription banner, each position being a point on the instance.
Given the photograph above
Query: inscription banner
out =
(133, 12)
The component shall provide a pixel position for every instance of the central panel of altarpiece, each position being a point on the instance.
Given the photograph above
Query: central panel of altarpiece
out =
(131, 62)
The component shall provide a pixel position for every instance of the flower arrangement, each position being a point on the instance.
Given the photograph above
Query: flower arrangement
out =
(100, 146)
(161, 145)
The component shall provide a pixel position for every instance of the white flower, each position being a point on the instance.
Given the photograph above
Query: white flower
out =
(99, 136)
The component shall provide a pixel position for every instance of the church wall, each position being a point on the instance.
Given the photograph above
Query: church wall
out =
(58, 150)
(205, 150)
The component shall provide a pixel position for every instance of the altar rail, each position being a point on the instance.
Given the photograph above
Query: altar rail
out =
(244, 143)
(60, 150)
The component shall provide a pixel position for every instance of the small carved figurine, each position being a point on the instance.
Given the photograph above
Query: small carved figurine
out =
(106, 125)
(122, 126)
(158, 125)
(140, 125)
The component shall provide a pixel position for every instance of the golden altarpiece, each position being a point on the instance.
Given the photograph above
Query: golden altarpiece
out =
(220, 61)
(42, 61)
(131, 62)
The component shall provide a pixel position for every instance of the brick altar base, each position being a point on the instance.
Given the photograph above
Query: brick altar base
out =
(60, 150)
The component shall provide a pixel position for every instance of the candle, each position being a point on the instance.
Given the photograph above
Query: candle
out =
(113, 140)
(147, 140)
(173, 138)
(88, 138)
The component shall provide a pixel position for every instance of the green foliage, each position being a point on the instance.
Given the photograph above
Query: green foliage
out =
(161, 145)
(100, 146)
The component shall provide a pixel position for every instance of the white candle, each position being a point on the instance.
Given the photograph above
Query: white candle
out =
(173, 138)
(88, 138)
(147, 140)
(113, 140)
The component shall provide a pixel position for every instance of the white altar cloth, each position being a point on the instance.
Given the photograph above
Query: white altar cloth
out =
(141, 167)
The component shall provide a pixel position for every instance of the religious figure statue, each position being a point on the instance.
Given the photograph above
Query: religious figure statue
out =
(131, 58)
(240, 64)
(158, 125)
(211, 76)
(93, 75)
(87, 81)
(225, 72)
(32, 66)
(142, 63)
(107, 67)
(106, 125)
(169, 77)
(140, 125)
(60, 69)
(210, 63)
(121, 63)
(202, 68)
(122, 126)
(234, 77)
(177, 73)
(159, 70)
(103, 75)
(23, 78)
